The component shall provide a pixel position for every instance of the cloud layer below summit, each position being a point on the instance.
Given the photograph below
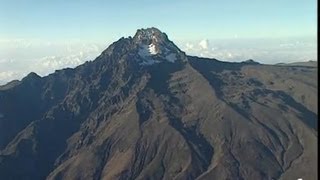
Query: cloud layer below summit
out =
(18, 57)
(267, 51)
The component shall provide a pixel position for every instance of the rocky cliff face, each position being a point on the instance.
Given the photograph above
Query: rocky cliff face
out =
(144, 109)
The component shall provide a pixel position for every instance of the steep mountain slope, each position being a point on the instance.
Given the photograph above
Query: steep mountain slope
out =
(144, 109)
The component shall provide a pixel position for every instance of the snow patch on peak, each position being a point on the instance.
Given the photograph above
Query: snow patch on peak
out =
(171, 57)
(152, 49)
(147, 50)
(150, 54)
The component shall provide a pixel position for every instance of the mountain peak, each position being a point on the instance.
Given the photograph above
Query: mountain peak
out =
(150, 35)
(250, 61)
(123, 115)
(32, 75)
(155, 47)
(150, 46)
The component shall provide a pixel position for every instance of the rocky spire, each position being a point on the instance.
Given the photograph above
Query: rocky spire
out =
(150, 35)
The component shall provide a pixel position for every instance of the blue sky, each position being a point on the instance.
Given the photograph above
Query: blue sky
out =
(62, 33)
(96, 19)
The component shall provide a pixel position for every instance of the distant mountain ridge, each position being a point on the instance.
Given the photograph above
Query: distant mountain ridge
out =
(305, 63)
(144, 109)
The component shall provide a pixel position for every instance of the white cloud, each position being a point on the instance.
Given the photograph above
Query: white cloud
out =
(42, 57)
(19, 57)
(6, 76)
(189, 46)
(48, 64)
(262, 50)
(204, 44)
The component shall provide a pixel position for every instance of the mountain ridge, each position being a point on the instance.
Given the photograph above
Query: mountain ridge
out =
(118, 117)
